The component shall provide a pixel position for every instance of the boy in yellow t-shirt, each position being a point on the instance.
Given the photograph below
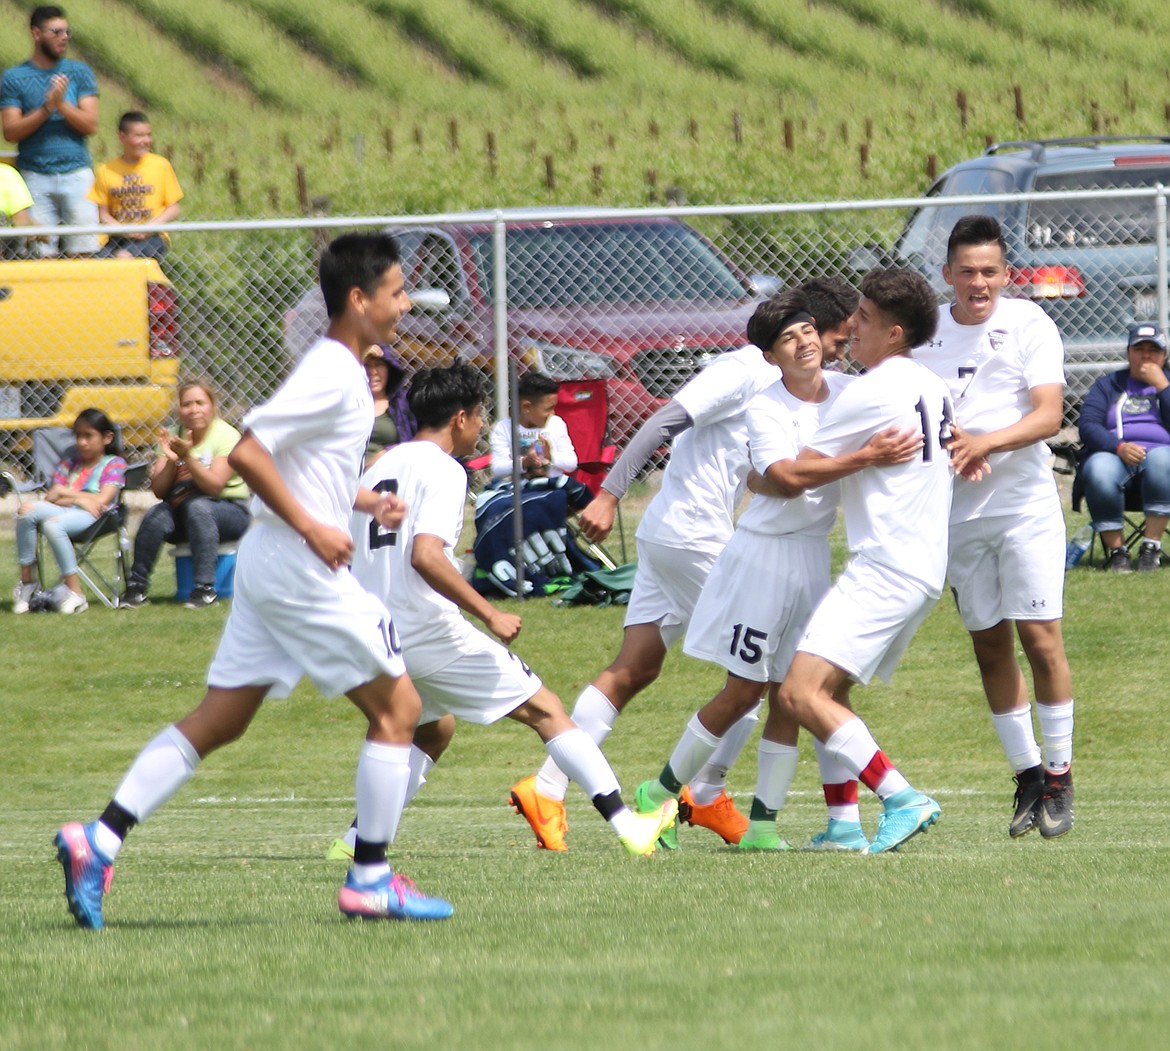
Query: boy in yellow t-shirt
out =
(138, 187)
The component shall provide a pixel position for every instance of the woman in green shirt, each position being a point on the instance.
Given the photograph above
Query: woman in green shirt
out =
(203, 501)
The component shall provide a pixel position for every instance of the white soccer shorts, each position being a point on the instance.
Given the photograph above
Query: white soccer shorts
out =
(757, 602)
(292, 616)
(484, 683)
(667, 586)
(1007, 567)
(867, 619)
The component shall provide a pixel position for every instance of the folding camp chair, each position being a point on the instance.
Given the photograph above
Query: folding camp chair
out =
(1135, 527)
(584, 406)
(50, 445)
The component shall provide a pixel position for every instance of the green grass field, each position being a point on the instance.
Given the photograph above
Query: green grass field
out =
(222, 928)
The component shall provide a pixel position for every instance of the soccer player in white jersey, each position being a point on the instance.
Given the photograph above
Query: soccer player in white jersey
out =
(685, 527)
(1004, 362)
(297, 608)
(457, 669)
(775, 568)
(896, 527)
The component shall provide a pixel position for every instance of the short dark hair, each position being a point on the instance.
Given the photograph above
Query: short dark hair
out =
(45, 13)
(354, 261)
(133, 116)
(975, 230)
(101, 423)
(535, 385)
(830, 300)
(438, 394)
(770, 317)
(905, 298)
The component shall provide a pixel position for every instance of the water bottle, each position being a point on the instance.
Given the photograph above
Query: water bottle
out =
(1078, 545)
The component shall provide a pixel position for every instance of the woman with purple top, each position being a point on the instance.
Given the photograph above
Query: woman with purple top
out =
(393, 420)
(1125, 432)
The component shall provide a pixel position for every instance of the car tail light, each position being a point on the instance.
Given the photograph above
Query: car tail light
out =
(164, 320)
(1049, 282)
(1121, 162)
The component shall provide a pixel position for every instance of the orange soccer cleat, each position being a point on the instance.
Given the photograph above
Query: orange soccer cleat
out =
(720, 817)
(545, 814)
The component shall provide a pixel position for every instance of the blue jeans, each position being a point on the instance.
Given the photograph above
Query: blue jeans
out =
(60, 200)
(153, 247)
(202, 521)
(1106, 477)
(58, 524)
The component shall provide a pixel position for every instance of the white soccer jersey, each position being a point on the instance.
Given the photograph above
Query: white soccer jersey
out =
(896, 516)
(779, 426)
(434, 486)
(316, 427)
(990, 369)
(708, 466)
(561, 455)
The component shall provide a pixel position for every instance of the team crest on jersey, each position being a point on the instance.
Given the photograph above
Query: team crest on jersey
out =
(996, 338)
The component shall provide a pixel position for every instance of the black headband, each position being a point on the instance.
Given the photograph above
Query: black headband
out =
(801, 317)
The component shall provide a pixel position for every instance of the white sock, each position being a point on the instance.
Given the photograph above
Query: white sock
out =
(1056, 727)
(581, 759)
(711, 780)
(694, 748)
(777, 767)
(421, 764)
(1018, 737)
(160, 770)
(852, 745)
(594, 714)
(833, 776)
(383, 777)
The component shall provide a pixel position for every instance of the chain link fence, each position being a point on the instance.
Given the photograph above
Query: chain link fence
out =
(640, 298)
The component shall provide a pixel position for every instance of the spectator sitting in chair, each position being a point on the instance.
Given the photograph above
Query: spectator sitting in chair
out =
(1125, 432)
(83, 487)
(201, 499)
(137, 187)
(546, 448)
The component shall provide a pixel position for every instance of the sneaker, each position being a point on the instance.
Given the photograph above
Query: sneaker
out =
(21, 594)
(906, 814)
(202, 596)
(1029, 789)
(134, 597)
(393, 897)
(840, 836)
(545, 814)
(720, 817)
(769, 840)
(87, 874)
(651, 829)
(339, 850)
(668, 839)
(1056, 806)
(1118, 561)
(71, 602)
(1149, 557)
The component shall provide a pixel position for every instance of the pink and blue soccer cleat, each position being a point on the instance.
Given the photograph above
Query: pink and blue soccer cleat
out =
(87, 874)
(393, 897)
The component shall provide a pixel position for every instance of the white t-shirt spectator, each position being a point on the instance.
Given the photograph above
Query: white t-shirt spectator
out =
(554, 436)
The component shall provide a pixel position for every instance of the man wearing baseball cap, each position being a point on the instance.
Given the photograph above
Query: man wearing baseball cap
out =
(1125, 438)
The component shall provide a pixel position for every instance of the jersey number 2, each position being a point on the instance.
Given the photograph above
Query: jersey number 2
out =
(380, 537)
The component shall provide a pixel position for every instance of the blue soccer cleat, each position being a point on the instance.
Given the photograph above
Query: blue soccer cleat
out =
(906, 814)
(393, 897)
(839, 836)
(87, 874)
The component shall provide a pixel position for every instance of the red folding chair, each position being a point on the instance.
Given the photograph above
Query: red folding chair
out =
(584, 406)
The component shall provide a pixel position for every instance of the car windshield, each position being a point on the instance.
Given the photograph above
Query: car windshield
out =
(1102, 222)
(578, 265)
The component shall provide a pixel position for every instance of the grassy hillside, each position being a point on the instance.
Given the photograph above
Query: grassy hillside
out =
(406, 105)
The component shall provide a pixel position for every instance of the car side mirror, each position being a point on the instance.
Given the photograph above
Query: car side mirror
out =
(764, 285)
(431, 300)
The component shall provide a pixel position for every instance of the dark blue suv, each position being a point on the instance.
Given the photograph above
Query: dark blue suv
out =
(1090, 263)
